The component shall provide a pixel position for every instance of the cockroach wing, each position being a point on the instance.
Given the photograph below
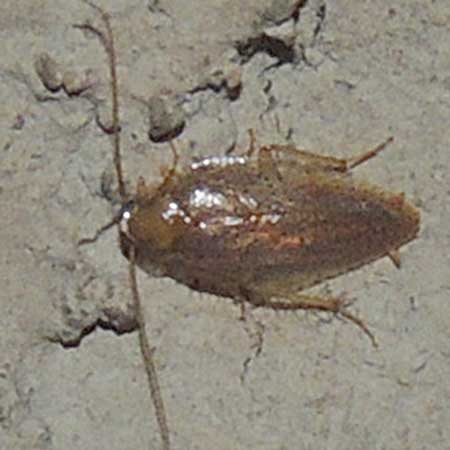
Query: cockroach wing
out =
(225, 230)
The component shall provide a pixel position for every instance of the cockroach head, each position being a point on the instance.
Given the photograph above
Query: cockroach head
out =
(126, 210)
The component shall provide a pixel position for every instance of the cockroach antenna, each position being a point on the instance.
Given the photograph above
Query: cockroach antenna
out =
(107, 40)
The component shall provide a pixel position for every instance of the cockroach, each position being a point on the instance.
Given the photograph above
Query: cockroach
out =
(258, 227)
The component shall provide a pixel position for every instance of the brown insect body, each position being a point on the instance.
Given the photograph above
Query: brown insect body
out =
(254, 228)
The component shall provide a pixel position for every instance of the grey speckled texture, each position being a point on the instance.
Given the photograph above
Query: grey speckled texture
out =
(360, 71)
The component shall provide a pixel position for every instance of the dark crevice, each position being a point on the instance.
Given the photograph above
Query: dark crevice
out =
(296, 10)
(232, 93)
(119, 328)
(320, 14)
(272, 46)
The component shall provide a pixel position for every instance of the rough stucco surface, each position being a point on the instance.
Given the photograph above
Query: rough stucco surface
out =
(360, 71)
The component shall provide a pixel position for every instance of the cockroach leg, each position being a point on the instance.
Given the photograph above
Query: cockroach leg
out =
(267, 165)
(243, 314)
(298, 301)
(394, 255)
(359, 159)
(252, 145)
(306, 160)
(171, 172)
(99, 232)
(176, 158)
(314, 162)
